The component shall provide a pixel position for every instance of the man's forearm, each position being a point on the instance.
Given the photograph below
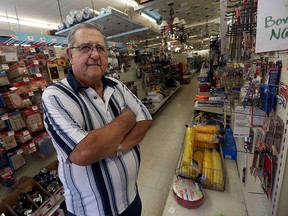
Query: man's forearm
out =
(102, 143)
(136, 135)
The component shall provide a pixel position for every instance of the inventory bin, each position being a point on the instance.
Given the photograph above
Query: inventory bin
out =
(44, 202)
(52, 171)
(6, 210)
(11, 200)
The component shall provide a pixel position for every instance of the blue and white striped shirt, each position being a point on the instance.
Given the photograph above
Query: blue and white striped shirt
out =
(106, 187)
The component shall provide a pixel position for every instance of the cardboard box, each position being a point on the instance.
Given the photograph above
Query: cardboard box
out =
(6, 209)
(60, 192)
(11, 201)
(49, 202)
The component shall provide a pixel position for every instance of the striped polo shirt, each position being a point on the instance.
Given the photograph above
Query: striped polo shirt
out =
(106, 187)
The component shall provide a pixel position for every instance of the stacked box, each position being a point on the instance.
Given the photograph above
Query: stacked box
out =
(33, 120)
(8, 140)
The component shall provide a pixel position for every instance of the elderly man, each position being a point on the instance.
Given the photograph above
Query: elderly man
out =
(96, 124)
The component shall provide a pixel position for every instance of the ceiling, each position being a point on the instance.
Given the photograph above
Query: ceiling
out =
(202, 17)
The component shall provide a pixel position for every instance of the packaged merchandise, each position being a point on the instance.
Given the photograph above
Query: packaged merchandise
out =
(10, 54)
(13, 100)
(16, 159)
(32, 120)
(16, 71)
(8, 140)
(44, 144)
(20, 88)
(3, 79)
(15, 121)
(37, 83)
(23, 136)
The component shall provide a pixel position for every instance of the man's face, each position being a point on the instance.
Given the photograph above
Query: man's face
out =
(88, 67)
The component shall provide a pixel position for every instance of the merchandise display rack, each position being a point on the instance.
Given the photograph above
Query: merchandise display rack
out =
(31, 169)
(157, 106)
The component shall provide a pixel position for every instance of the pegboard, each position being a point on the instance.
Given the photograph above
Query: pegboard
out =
(279, 197)
(256, 200)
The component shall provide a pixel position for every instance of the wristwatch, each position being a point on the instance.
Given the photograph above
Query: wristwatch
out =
(119, 151)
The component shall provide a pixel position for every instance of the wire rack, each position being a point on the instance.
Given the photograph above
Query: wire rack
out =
(210, 178)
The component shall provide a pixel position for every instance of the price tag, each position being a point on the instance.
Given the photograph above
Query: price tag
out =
(26, 79)
(14, 37)
(58, 55)
(5, 117)
(31, 93)
(46, 52)
(32, 144)
(32, 50)
(11, 133)
(43, 40)
(38, 75)
(34, 108)
(5, 66)
(35, 62)
(13, 88)
(54, 81)
(19, 151)
(2, 53)
(25, 132)
(30, 38)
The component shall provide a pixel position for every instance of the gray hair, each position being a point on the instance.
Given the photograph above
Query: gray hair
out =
(71, 35)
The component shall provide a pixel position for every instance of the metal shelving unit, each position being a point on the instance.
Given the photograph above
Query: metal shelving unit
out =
(116, 26)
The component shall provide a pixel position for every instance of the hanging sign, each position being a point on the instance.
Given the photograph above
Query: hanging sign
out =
(272, 26)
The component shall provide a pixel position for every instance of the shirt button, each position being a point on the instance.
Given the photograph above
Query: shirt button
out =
(95, 97)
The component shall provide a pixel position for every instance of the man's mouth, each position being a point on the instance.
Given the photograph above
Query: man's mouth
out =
(94, 65)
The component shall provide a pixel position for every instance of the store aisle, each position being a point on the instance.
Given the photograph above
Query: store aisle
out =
(161, 147)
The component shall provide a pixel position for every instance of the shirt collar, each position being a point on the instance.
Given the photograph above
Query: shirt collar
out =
(75, 84)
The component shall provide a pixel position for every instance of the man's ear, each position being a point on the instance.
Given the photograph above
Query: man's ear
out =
(69, 55)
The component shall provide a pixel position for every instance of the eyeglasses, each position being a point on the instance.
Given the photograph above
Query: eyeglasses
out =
(86, 48)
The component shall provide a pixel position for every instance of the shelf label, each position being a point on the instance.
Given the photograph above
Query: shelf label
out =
(32, 50)
(35, 62)
(2, 52)
(5, 117)
(43, 40)
(5, 66)
(38, 75)
(32, 144)
(19, 151)
(25, 132)
(31, 93)
(30, 38)
(11, 133)
(14, 37)
(26, 79)
(13, 88)
(34, 108)
(46, 52)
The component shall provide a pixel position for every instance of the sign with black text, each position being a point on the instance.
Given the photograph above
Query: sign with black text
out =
(272, 26)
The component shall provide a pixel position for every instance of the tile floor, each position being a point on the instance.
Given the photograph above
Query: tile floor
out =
(161, 148)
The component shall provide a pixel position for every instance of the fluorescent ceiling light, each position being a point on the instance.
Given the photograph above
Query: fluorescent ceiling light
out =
(132, 3)
(28, 23)
(148, 17)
